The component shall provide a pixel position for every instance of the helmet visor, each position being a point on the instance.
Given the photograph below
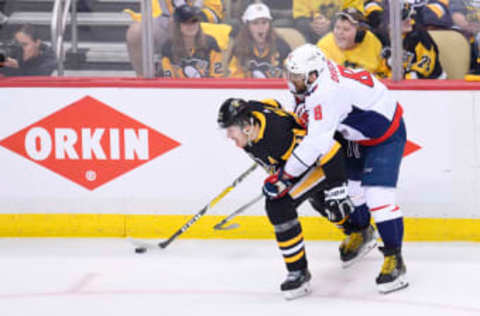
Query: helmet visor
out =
(296, 82)
(294, 77)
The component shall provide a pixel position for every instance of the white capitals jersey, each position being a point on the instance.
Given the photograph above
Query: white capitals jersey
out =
(352, 102)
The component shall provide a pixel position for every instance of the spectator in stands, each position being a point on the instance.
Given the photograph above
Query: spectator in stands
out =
(432, 14)
(420, 53)
(278, 9)
(466, 16)
(376, 18)
(27, 55)
(313, 18)
(374, 12)
(258, 51)
(351, 44)
(190, 53)
(212, 11)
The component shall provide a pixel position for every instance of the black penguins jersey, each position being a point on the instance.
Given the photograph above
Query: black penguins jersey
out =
(421, 56)
(200, 64)
(260, 64)
(279, 133)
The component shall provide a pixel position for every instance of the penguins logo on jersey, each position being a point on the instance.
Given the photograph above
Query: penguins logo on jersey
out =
(263, 69)
(194, 68)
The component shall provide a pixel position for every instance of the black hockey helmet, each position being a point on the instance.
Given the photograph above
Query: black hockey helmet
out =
(233, 111)
(186, 13)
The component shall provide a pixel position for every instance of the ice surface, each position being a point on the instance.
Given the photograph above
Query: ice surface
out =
(90, 277)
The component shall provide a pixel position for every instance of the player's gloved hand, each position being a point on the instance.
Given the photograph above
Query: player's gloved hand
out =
(277, 185)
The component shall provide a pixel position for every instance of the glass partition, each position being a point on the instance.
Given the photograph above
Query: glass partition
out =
(235, 38)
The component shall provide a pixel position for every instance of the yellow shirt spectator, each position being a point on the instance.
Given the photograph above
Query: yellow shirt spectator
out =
(366, 54)
(351, 44)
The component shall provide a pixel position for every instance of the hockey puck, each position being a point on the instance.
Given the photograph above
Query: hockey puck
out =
(140, 250)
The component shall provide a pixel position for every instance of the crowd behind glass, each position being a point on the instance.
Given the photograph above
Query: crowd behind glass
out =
(254, 38)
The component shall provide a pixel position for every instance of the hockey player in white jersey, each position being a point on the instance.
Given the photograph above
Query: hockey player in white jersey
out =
(353, 103)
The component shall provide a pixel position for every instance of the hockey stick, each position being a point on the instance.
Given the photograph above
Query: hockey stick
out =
(142, 246)
(221, 225)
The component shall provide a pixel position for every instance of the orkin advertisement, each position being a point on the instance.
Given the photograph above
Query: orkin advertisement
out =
(89, 143)
(159, 151)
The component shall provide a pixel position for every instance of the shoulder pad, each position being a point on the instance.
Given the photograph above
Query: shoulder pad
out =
(272, 102)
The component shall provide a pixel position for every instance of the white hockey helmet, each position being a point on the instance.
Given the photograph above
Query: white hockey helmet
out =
(301, 62)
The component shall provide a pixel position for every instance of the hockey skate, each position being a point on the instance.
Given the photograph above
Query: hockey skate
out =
(357, 245)
(297, 284)
(392, 276)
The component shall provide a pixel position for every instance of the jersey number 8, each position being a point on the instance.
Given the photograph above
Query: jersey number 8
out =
(362, 76)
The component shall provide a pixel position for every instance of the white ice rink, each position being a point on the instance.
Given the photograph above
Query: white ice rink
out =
(90, 277)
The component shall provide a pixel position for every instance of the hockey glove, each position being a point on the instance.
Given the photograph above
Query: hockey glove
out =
(277, 185)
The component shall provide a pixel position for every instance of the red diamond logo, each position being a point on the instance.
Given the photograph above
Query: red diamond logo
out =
(89, 143)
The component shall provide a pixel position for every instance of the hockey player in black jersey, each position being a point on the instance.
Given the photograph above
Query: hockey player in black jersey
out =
(268, 134)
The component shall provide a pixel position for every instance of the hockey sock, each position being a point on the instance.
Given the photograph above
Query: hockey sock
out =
(391, 232)
(360, 218)
(290, 241)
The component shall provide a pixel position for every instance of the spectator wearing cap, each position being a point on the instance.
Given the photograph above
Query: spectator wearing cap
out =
(351, 44)
(189, 53)
(258, 51)
(432, 14)
(420, 53)
(212, 11)
(377, 19)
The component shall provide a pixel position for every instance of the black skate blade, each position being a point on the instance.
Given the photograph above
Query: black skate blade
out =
(303, 290)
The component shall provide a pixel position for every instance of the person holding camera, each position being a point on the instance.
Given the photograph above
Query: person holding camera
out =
(27, 55)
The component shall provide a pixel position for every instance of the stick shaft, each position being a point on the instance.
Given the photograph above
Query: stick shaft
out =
(212, 203)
